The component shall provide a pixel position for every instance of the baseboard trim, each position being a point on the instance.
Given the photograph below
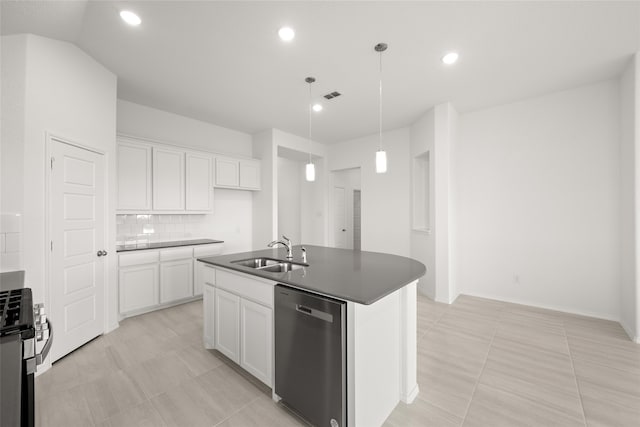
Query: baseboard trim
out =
(409, 398)
(544, 306)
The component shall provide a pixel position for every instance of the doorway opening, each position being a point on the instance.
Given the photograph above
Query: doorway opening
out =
(346, 231)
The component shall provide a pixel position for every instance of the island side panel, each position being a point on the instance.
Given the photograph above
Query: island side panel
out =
(373, 360)
(408, 343)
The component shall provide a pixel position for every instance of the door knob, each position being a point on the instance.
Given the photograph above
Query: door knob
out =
(344, 229)
(102, 253)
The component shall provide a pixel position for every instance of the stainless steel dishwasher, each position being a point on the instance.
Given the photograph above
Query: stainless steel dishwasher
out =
(311, 358)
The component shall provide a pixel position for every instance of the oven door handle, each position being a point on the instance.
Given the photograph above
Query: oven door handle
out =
(45, 350)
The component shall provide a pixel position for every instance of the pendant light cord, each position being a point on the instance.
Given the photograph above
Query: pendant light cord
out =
(310, 100)
(380, 108)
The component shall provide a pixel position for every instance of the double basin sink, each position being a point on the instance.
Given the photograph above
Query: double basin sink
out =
(270, 265)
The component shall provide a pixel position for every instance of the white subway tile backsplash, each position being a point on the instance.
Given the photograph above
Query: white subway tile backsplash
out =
(10, 223)
(12, 242)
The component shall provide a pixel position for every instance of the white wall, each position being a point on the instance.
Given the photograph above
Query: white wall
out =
(139, 120)
(67, 93)
(231, 220)
(423, 243)
(538, 201)
(385, 197)
(629, 189)
(290, 177)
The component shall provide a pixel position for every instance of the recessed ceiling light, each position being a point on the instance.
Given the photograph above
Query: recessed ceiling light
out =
(450, 58)
(286, 34)
(317, 107)
(130, 18)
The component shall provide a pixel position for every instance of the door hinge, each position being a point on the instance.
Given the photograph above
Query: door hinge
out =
(52, 246)
(53, 159)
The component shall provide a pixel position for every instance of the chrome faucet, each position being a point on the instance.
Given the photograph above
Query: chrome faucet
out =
(284, 242)
(304, 254)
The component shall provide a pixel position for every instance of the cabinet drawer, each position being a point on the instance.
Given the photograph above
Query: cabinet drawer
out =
(246, 286)
(208, 274)
(176, 253)
(207, 250)
(137, 258)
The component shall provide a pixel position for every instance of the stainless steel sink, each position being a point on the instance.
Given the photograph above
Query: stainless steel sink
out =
(282, 267)
(256, 262)
(269, 264)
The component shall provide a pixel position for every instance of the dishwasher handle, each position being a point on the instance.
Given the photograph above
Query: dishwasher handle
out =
(314, 313)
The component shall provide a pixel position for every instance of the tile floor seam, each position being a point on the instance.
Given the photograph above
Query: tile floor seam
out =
(484, 365)
(237, 411)
(575, 376)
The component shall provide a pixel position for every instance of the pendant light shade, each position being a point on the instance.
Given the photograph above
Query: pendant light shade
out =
(310, 170)
(381, 161)
(381, 155)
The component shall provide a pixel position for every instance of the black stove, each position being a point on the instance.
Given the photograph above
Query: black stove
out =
(18, 326)
(16, 313)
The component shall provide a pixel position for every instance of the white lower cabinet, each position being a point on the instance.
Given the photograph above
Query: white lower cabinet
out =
(176, 280)
(138, 287)
(256, 339)
(238, 312)
(227, 324)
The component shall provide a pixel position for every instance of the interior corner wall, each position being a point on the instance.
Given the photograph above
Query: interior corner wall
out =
(290, 177)
(538, 201)
(69, 95)
(385, 203)
(423, 243)
(629, 193)
(265, 201)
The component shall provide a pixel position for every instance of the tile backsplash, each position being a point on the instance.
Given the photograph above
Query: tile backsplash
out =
(133, 228)
(10, 241)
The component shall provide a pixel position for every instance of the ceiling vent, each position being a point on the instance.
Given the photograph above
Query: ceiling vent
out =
(332, 95)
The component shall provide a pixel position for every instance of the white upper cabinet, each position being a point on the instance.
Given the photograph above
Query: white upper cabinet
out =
(134, 176)
(227, 172)
(168, 179)
(199, 187)
(243, 174)
(159, 178)
(250, 174)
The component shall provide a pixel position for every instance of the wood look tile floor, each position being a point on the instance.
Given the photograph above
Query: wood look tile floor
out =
(480, 363)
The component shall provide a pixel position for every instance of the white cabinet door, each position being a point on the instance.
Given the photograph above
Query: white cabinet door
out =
(256, 340)
(138, 287)
(176, 280)
(208, 305)
(227, 324)
(250, 174)
(203, 274)
(134, 176)
(168, 179)
(227, 172)
(199, 189)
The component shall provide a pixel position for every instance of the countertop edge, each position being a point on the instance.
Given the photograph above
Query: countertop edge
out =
(287, 280)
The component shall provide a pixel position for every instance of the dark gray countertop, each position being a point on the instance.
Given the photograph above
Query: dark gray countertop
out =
(358, 276)
(162, 245)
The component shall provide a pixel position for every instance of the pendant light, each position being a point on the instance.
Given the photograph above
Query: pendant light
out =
(310, 169)
(381, 155)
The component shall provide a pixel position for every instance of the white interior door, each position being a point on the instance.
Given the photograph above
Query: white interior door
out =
(77, 232)
(339, 218)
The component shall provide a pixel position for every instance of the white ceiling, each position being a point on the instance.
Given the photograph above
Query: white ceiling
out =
(222, 62)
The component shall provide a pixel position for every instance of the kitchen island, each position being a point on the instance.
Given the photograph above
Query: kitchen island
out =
(380, 295)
